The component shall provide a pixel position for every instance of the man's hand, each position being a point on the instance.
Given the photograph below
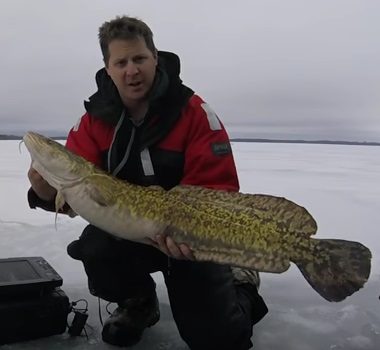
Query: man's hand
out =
(40, 186)
(172, 249)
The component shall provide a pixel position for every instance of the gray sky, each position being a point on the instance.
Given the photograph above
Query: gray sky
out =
(269, 68)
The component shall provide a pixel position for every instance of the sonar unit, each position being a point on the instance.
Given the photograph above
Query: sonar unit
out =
(32, 304)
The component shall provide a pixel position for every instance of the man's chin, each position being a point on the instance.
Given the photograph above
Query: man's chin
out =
(135, 97)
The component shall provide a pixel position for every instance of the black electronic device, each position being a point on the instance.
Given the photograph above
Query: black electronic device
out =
(27, 275)
(32, 304)
(26, 317)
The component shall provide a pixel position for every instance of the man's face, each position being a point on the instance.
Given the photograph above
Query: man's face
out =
(132, 67)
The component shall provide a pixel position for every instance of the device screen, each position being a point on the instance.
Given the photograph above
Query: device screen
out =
(17, 271)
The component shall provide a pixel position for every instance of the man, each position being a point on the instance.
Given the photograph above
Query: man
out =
(144, 126)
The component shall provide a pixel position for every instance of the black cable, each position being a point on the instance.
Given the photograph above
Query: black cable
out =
(80, 319)
(100, 312)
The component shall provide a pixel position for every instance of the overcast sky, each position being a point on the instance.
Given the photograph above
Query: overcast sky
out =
(269, 68)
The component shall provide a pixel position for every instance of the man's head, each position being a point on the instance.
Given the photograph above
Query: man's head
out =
(130, 56)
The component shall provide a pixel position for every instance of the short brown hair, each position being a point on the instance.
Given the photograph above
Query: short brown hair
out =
(124, 28)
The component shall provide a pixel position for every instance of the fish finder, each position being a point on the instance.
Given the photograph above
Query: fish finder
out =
(32, 304)
(27, 275)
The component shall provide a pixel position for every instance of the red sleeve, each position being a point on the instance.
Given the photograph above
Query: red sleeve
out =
(80, 140)
(209, 160)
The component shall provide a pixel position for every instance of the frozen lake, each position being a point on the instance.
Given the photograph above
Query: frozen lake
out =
(339, 185)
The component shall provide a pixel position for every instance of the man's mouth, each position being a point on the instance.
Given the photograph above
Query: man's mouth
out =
(135, 84)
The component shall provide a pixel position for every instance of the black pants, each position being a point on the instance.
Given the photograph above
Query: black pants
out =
(209, 310)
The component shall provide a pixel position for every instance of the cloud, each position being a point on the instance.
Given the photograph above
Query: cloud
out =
(273, 67)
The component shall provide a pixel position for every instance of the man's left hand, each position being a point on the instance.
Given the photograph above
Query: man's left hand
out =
(172, 249)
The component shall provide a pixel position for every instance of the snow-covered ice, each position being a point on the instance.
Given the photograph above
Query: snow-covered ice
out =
(339, 185)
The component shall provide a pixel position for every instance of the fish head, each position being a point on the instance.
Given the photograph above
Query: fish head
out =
(54, 162)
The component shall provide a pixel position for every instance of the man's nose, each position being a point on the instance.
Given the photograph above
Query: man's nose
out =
(131, 69)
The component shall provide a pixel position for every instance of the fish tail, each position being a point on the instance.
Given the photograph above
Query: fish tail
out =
(338, 269)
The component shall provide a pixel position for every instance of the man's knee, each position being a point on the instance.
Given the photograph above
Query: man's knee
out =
(110, 266)
(92, 244)
(92, 249)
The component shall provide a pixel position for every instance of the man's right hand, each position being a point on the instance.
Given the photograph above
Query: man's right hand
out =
(40, 186)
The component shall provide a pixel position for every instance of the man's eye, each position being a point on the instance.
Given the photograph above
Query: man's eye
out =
(139, 59)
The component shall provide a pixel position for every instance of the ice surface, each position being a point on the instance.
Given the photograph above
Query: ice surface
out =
(339, 185)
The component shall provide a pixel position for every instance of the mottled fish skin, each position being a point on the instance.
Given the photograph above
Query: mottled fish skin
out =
(204, 226)
(256, 231)
(292, 216)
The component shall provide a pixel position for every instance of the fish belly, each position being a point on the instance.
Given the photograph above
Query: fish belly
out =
(116, 221)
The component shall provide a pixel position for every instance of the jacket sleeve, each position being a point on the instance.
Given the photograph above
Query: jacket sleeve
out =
(79, 141)
(209, 160)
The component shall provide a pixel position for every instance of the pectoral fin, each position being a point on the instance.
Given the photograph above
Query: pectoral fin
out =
(71, 213)
(102, 198)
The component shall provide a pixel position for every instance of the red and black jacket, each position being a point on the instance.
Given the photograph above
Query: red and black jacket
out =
(180, 140)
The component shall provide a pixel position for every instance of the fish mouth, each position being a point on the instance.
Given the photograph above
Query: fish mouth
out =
(53, 168)
(34, 143)
(31, 138)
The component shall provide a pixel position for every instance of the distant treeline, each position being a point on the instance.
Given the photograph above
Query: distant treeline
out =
(15, 137)
(318, 142)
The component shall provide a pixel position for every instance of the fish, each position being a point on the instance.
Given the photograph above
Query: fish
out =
(259, 231)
